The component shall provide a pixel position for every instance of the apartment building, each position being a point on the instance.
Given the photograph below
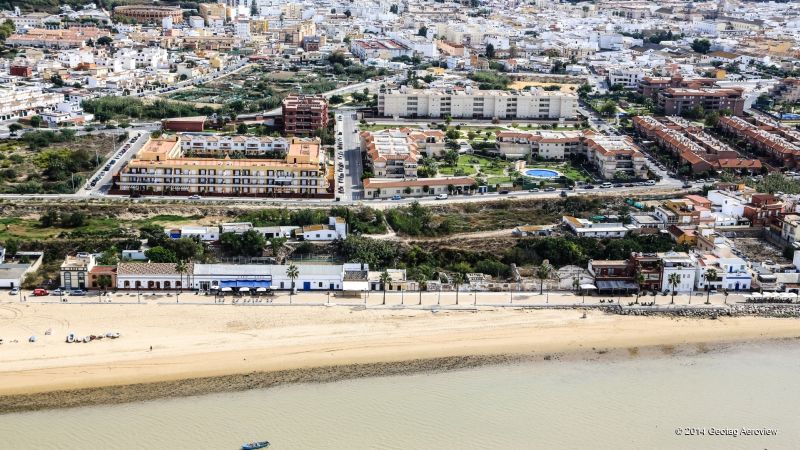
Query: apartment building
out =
(614, 156)
(650, 86)
(471, 103)
(210, 144)
(551, 145)
(390, 153)
(21, 100)
(587, 228)
(692, 146)
(767, 139)
(73, 37)
(787, 90)
(304, 114)
(161, 168)
(379, 49)
(677, 101)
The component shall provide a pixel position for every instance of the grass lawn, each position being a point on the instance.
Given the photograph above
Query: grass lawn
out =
(498, 180)
(467, 163)
(570, 171)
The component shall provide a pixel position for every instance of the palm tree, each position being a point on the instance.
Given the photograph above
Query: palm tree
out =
(639, 282)
(710, 275)
(543, 273)
(458, 279)
(385, 280)
(674, 280)
(181, 267)
(293, 273)
(421, 283)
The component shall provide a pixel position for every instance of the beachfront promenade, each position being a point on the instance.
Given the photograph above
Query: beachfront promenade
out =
(393, 300)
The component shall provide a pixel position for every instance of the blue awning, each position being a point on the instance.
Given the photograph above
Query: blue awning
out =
(245, 283)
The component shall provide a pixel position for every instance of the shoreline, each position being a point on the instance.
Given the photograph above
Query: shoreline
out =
(237, 382)
(165, 351)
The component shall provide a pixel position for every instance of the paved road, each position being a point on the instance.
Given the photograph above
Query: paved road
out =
(134, 142)
(351, 147)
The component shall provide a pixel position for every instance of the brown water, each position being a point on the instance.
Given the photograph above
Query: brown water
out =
(630, 404)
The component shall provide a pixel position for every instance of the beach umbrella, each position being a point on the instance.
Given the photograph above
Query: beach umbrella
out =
(244, 289)
(226, 289)
(261, 289)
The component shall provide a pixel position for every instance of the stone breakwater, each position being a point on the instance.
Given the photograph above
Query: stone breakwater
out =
(735, 310)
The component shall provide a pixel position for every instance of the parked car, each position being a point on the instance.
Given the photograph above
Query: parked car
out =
(549, 189)
(194, 197)
(13, 291)
(650, 182)
(533, 190)
(397, 197)
(441, 197)
(39, 292)
(77, 292)
(503, 192)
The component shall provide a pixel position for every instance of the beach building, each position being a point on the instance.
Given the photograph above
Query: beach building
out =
(75, 271)
(13, 272)
(205, 234)
(388, 188)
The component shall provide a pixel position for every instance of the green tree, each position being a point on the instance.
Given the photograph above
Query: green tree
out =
(293, 273)
(458, 279)
(385, 280)
(104, 282)
(701, 46)
(674, 280)
(181, 267)
(276, 244)
(161, 255)
(608, 108)
(48, 219)
(36, 121)
(542, 273)
(423, 31)
(490, 51)
(242, 129)
(709, 276)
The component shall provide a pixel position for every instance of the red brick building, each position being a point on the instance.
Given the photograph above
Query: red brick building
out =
(304, 114)
(196, 123)
(677, 101)
(21, 71)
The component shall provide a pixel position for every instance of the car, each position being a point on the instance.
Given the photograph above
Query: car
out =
(13, 291)
(701, 180)
(650, 182)
(563, 194)
(629, 184)
(589, 186)
(397, 197)
(549, 189)
(605, 185)
(39, 292)
(58, 291)
(77, 292)
(194, 197)
(441, 197)
(617, 185)
(687, 185)
(503, 192)
(533, 190)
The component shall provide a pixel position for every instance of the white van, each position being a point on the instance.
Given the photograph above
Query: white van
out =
(650, 182)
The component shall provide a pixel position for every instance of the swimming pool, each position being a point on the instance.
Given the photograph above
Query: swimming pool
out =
(542, 173)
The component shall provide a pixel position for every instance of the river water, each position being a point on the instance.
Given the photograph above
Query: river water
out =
(631, 403)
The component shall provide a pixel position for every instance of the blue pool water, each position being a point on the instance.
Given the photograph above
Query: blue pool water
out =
(542, 173)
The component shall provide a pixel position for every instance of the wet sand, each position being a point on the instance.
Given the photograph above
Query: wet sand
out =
(200, 349)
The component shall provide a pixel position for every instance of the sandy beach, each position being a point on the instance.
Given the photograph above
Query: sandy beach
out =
(191, 341)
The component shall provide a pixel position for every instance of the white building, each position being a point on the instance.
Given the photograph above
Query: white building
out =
(681, 264)
(586, 228)
(215, 144)
(474, 103)
(206, 234)
(335, 229)
(732, 271)
(25, 100)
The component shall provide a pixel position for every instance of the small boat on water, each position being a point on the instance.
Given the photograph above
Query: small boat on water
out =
(255, 445)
